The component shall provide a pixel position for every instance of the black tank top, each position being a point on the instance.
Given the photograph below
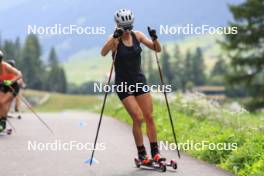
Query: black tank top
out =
(128, 62)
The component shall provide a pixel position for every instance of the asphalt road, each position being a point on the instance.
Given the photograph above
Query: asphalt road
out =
(17, 159)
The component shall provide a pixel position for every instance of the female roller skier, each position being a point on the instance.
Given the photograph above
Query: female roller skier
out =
(138, 102)
(9, 88)
(22, 85)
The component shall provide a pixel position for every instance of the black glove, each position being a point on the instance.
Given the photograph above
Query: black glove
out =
(152, 33)
(118, 33)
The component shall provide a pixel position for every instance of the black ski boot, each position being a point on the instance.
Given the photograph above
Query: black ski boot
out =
(2, 124)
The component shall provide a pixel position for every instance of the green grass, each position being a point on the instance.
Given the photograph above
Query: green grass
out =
(60, 102)
(87, 66)
(34, 93)
(196, 121)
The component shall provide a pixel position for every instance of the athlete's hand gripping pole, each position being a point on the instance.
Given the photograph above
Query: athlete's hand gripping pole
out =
(103, 107)
(154, 37)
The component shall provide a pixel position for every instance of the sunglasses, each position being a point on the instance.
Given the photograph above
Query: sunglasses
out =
(127, 28)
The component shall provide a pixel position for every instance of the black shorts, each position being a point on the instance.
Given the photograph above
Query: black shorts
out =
(14, 88)
(134, 88)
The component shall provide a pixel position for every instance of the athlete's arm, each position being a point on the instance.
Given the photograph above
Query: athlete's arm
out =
(21, 83)
(109, 45)
(16, 72)
(154, 45)
(112, 42)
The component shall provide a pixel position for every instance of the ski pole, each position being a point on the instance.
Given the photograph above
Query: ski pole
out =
(33, 111)
(167, 103)
(103, 107)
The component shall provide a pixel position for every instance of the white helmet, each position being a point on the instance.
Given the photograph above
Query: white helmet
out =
(124, 18)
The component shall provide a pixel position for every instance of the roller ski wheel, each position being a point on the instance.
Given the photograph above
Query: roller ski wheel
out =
(6, 132)
(9, 131)
(173, 164)
(19, 117)
(162, 166)
(161, 162)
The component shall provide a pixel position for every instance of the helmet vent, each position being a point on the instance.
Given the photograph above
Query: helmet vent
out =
(124, 17)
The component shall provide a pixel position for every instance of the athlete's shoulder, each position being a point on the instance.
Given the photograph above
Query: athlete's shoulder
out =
(139, 35)
(4, 63)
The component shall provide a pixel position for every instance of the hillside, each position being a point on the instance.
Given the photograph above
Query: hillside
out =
(88, 65)
(17, 15)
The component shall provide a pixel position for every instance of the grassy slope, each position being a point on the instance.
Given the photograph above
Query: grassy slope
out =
(194, 125)
(60, 102)
(89, 65)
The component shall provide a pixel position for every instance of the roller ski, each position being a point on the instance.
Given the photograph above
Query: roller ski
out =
(156, 163)
(6, 131)
(15, 114)
(12, 117)
(161, 166)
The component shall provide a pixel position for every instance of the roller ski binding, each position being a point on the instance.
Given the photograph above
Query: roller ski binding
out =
(157, 158)
(157, 163)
